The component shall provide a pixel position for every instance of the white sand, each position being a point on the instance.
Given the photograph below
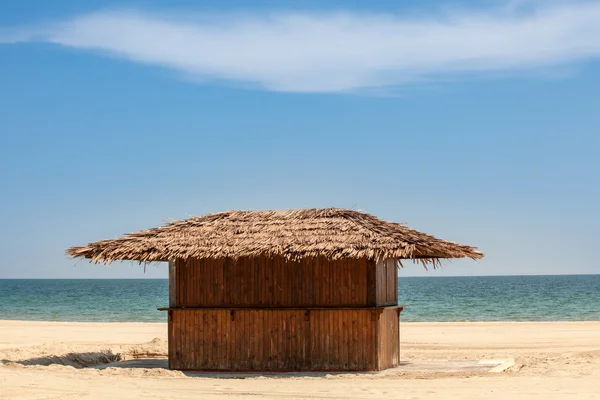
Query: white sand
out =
(552, 361)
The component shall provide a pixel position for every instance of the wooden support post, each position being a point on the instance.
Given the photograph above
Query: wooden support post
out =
(371, 284)
(172, 283)
(399, 342)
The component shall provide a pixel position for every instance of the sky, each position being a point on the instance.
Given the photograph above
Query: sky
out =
(477, 122)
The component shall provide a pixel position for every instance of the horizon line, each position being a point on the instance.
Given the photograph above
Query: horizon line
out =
(418, 276)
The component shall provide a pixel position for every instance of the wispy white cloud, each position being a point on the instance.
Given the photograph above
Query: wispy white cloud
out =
(333, 52)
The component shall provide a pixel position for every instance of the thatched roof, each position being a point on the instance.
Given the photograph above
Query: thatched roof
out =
(332, 232)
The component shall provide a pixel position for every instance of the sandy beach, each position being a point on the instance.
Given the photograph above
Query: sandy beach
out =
(554, 360)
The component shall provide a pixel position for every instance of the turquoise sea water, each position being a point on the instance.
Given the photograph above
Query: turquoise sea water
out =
(499, 298)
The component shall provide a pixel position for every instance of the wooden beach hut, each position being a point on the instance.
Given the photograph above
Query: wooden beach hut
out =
(283, 290)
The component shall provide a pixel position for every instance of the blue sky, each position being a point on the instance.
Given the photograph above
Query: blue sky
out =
(477, 122)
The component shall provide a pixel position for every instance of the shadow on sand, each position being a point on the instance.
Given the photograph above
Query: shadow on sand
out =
(77, 360)
(107, 359)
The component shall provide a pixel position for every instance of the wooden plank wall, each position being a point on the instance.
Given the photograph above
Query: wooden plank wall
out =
(270, 339)
(172, 283)
(274, 282)
(254, 314)
(387, 283)
(388, 352)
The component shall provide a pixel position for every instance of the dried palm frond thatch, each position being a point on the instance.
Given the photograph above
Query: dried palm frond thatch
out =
(294, 234)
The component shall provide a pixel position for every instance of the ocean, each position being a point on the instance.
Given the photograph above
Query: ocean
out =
(490, 298)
